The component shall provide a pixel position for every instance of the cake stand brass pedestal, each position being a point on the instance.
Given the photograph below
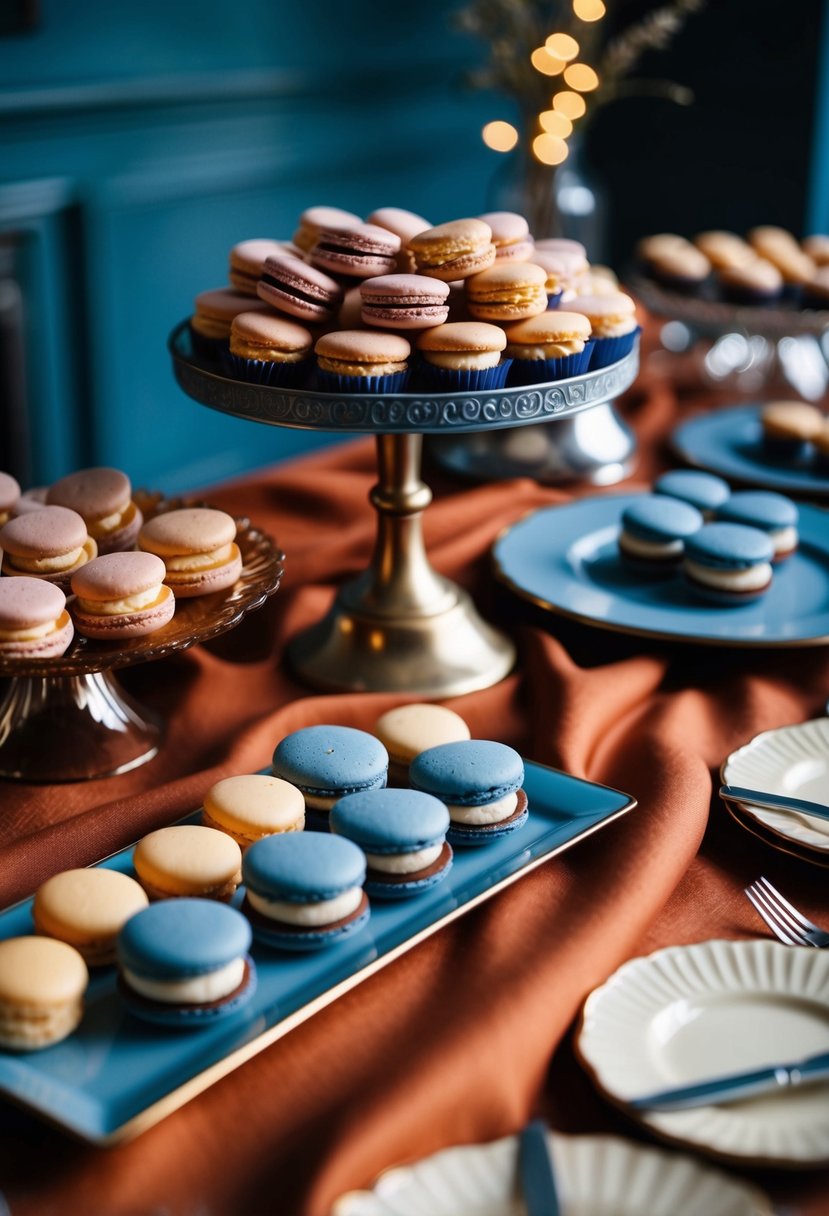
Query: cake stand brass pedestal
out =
(399, 627)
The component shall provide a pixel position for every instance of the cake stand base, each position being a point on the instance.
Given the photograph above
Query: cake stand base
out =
(72, 728)
(593, 446)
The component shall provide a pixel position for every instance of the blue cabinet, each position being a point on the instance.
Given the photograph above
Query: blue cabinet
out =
(139, 142)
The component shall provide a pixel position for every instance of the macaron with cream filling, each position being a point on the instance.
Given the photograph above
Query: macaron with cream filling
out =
(87, 908)
(198, 548)
(404, 301)
(34, 621)
(121, 595)
(213, 315)
(10, 494)
(453, 251)
(187, 860)
(50, 544)
(705, 491)
(269, 350)
(728, 564)
(362, 361)
(510, 236)
(724, 249)
(327, 762)
(480, 782)
(103, 498)
(463, 355)
(408, 730)
(654, 530)
(406, 225)
(774, 514)
(753, 282)
(613, 326)
(403, 835)
(185, 963)
(789, 428)
(551, 346)
(253, 805)
(305, 891)
(507, 291)
(42, 986)
(683, 269)
(246, 261)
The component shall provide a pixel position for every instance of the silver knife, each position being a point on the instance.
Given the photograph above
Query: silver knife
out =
(774, 802)
(737, 1085)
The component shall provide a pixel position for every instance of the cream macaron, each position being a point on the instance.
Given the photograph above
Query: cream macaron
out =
(253, 805)
(408, 730)
(34, 621)
(507, 291)
(50, 544)
(103, 499)
(453, 251)
(188, 860)
(87, 908)
(464, 354)
(121, 595)
(42, 986)
(198, 548)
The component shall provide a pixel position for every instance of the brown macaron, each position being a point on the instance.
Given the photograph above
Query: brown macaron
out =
(121, 595)
(198, 547)
(103, 498)
(51, 544)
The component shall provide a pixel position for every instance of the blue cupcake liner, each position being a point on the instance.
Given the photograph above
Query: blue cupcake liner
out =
(183, 1017)
(329, 382)
(554, 299)
(442, 380)
(476, 836)
(538, 371)
(265, 371)
(301, 940)
(611, 350)
(209, 348)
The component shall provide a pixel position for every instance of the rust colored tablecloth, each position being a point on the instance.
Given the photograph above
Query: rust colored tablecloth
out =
(466, 1036)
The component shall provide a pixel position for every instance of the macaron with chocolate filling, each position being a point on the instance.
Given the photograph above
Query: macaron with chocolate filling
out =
(304, 890)
(362, 361)
(453, 251)
(292, 286)
(314, 219)
(510, 236)
(198, 548)
(103, 497)
(728, 564)
(121, 595)
(480, 782)
(404, 301)
(358, 251)
(87, 909)
(269, 350)
(552, 346)
(463, 355)
(789, 428)
(507, 291)
(403, 835)
(34, 622)
(188, 860)
(185, 963)
(50, 544)
(246, 262)
(9, 495)
(774, 514)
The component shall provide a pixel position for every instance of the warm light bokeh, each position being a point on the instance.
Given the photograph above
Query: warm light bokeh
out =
(556, 123)
(589, 10)
(549, 149)
(581, 77)
(500, 136)
(562, 46)
(549, 65)
(570, 104)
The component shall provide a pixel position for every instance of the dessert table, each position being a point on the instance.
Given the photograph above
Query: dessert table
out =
(467, 1035)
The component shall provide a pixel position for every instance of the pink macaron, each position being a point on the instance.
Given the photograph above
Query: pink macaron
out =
(246, 262)
(404, 301)
(359, 251)
(9, 495)
(121, 595)
(50, 544)
(292, 286)
(510, 236)
(34, 623)
(103, 497)
(198, 547)
(406, 225)
(30, 500)
(314, 219)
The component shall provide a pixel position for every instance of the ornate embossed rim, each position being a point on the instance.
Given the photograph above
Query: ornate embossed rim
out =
(263, 565)
(401, 412)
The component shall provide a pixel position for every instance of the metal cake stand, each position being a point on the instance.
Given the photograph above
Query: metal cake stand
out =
(70, 719)
(399, 626)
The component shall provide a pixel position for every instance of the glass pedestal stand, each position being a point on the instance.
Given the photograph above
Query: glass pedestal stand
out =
(398, 627)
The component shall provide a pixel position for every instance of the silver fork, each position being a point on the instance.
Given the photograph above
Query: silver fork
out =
(784, 920)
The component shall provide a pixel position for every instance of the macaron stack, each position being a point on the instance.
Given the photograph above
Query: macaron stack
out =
(480, 782)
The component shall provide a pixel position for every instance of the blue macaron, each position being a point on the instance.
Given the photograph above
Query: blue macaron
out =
(403, 834)
(701, 490)
(774, 514)
(729, 563)
(480, 782)
(184, 962)
(328, 762)
(304, 889)
(654, 530)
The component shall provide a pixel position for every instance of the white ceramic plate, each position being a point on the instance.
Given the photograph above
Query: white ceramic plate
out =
(595, 1176)
(690, 1013)
(792, 760)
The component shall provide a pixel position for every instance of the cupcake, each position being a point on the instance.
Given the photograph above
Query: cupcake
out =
(552, 346)
(463, 356)
(613, 323)
(269, 350)
(362, 361)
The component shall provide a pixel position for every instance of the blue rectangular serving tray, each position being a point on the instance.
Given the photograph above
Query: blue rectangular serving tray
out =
(116, 1076)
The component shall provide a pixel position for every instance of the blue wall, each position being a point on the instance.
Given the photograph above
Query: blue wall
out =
(139, 142)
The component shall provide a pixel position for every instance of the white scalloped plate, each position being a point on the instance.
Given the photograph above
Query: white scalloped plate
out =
(595, 1176)
(689, 1013)
(792, 760)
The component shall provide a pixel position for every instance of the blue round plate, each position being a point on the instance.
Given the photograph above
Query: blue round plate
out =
(565, 559)
(728, 441)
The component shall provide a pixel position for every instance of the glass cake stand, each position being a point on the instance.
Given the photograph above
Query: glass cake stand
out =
(399, 626)
(69, 718)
